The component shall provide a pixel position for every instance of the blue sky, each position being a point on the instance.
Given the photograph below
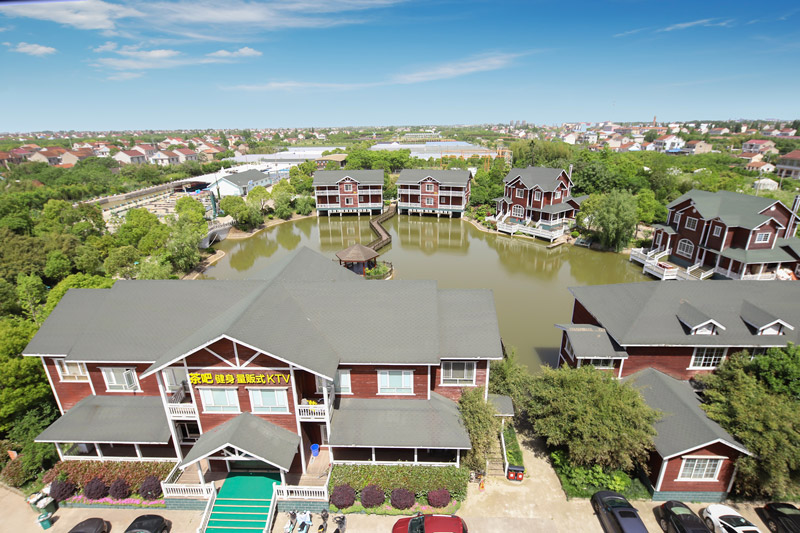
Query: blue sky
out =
(153, 64)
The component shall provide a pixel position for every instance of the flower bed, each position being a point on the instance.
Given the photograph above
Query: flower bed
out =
(80, 500)
(387, 509)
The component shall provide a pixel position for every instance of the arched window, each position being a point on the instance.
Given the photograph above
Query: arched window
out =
(685, 248)
(517, 211)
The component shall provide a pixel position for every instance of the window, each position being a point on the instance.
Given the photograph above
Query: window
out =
(269, 401)
(361, 199)
(691, 223)
(348, 187)
(219, 400)
(677, 220)
(348, 201)
(707, 357)
(717, 231)
(428, 201)
(429, 187)
(755, 352)
(71, 371)
(458, 373)
(556, 195)
(342, 382)
(174, 377)
(568, 349)
(700, 469)
(598, 363)
(119, 379)
(395, 382)
(517, 211)
(537, 195)
(685, 248)
(762, 237)
(520, 193)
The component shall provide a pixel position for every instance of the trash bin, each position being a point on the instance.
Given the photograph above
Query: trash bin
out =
(314, 450)
(46, 505)
(44, 520)
(515, 473)
(33, 499)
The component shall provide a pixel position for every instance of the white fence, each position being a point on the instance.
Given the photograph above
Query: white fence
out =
(550, 235)
(182, 410)
(312, 412)
(207, 514)
(295, 492)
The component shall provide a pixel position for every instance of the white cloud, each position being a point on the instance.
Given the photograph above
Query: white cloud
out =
(84, 14)
(33, 49)
(700, 22)
(126, 76)
(629, 32)
(3, 28)
(136, 53)
(245, 51)
(482, 63)
(108, 46)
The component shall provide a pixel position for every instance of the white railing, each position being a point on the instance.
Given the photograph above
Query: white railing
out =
(177, 395)
(312, 412)
(271, 514)
(505, 456)
(661, 272)
(176, 490)
(182, 410)
(551, 235)
(207, 514)
(639, 255)
(762, 276)
(296, 492)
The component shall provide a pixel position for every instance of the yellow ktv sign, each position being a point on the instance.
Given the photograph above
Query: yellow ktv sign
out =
(209, 378)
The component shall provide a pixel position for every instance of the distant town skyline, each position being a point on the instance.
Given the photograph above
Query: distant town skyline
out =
(174, 64)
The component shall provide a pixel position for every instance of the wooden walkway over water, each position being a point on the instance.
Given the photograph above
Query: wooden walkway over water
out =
(383, 237)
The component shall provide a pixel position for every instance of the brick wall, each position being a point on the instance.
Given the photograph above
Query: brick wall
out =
(673, 361)
(364, 381)
(454, 393)
(68, 392)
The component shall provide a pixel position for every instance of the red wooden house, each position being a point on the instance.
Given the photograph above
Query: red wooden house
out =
(439, 192)
(537, 194)
(348, 191)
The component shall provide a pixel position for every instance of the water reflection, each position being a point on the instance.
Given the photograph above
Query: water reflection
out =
(429, 234)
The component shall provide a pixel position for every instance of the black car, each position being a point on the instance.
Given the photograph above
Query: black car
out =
(616, 514)
(149, 523)
(92, 525)
(677, 518)
(782, 517)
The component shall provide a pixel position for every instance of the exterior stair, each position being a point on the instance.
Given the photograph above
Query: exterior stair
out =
(238, 515)
(495, 466)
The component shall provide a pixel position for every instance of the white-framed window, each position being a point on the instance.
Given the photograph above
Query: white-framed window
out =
(269, 401)
(685, 248)
(429, 187)
(755, 352)
(700, 469)
(557, 195)
(458, 373)
(174, 376)
(707, 357)
(68, 371)
(428, 201)
(568, 349)
(517, 211)
(598, 363)
(717, 231)
(348, 201)
(219, 400)
(520, 193)
(677, 220)
(537, 195)
(762, 237)
(361, 198)
(691, 223)
(342, 382)
(348, 187)
(395, 382)
(120, 379)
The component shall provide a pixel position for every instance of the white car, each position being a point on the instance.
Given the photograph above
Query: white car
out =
(722, 519)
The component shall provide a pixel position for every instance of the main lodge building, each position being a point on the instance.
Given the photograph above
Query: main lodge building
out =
(241, 375)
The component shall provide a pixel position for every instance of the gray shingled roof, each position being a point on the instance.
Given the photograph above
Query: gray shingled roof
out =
(301, 309)
(692, 316)
(734, 209)
(763, 255)
(589, 341)
(757, 317)
(545, 178)
(555, 208)
(250, 434)
(503, 404)
(669, 230)
(444, 177)
(646, 313)
(434, 423)
(332, 177)
(122, 419)
(358, 253)
(241, 179)
(683, 425)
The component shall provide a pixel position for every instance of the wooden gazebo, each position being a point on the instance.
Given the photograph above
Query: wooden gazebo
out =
(357, 258)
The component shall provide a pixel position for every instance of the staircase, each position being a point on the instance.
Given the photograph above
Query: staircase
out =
(238, 515)
(495, 466)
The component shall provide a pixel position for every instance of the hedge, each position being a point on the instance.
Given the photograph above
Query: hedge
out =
(418, 479)
(133, 472)
(13, 474)
(513, 451)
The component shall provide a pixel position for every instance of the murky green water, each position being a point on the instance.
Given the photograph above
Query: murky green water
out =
(529, 281)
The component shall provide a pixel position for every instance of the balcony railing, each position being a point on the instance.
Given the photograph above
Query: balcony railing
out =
(308, 413)
(533, 231)
(182, 411)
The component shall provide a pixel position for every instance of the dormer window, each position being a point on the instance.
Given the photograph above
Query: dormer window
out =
(717, 231)
(691, 223)
(762, 321)
(762, 237)
(537, 195)
(697, 322)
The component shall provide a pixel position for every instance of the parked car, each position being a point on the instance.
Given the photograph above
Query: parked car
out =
(616, 514)
(149, 523)
(430, 523)
(676, 517)
(722, 519)
(91, 525)
(782, 517)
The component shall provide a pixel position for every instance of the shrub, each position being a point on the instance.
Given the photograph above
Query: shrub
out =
(150, 488)
(418, 479)
(513, 451)
(439, 498)
(61, 490)
(575, 234)
(13, 473)
(5, 446)
(134, 472)
(372, 496)
(95, 489)
(120, 489)
(343, 496)
(402, 499)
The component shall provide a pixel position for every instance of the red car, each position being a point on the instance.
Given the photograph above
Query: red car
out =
(430, 523)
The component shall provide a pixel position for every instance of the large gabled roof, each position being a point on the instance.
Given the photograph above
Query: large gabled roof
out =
(545, 178)
(332, 177)
(242, 179)
(648, 313)
(734, 209)
(683, 425)
(445, 177)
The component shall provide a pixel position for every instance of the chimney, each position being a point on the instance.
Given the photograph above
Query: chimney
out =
(569, 175)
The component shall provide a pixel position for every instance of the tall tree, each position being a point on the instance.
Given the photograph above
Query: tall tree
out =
(31, 292)
(615, 219)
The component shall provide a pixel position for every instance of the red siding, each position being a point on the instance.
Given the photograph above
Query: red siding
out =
(349, 194)
(149, 385)
(739, 238)
(426, 194)
(454, 393)
(672, 360)
(669, 481)
(364, 381)
(770, 227)
(69, 392)
(580, 315)
(715, 242)
(202, 358)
